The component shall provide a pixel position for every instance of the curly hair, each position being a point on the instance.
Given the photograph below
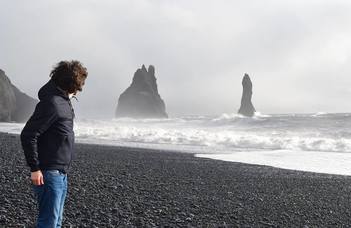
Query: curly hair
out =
(69, 76)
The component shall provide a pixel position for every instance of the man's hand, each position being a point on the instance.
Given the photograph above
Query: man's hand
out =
(37, 178)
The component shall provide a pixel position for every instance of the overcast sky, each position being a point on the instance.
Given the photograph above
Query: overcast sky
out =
(297, 52)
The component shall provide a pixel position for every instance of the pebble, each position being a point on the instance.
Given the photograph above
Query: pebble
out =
(120, 187)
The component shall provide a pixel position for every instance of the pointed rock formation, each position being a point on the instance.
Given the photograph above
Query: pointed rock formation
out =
(247, 108)
(141, 99)
(14, 105)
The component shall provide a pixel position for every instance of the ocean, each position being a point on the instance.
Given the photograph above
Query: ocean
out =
(319, 142)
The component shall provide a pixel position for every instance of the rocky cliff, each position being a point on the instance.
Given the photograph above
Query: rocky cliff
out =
(14, 105)
(141, 99)
(247, 108)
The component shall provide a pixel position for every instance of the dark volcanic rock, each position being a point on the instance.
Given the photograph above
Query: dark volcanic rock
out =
(24, 106)
(7, 98)
(14, 105)
(247, 108)
(141, 99)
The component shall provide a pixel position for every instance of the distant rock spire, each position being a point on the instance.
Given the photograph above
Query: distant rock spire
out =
(247, 108)
(141, 99)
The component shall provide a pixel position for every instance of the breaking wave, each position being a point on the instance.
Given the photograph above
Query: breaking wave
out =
(227, 132)
(223, 133)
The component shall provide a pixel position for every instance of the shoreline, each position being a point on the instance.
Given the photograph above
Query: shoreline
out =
(116, 186)
(280, 159)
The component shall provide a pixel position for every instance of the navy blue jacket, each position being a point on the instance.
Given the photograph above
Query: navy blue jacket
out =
(48, 138)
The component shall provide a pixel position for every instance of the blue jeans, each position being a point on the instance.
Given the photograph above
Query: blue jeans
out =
(51, 198)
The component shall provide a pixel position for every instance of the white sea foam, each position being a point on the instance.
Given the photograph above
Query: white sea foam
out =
(244, 134)
(12, 128)
(319, 114)
(312, 161)
(228, 134)
(211, 138)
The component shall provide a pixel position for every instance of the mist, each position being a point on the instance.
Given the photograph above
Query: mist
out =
(297, 53)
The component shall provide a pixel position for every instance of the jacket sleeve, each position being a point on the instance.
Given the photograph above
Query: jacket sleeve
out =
(44, 116)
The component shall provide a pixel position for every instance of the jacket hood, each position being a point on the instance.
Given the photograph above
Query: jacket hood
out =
(49, 90)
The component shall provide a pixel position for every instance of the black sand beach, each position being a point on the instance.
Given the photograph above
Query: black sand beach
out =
(123, 187)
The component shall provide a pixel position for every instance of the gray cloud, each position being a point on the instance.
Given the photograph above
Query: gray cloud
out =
(297, 52)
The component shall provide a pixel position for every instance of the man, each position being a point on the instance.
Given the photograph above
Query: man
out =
(48, 138)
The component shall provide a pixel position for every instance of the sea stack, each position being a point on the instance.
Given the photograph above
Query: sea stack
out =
(14, 105)
(141, 99)
(247, 108)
